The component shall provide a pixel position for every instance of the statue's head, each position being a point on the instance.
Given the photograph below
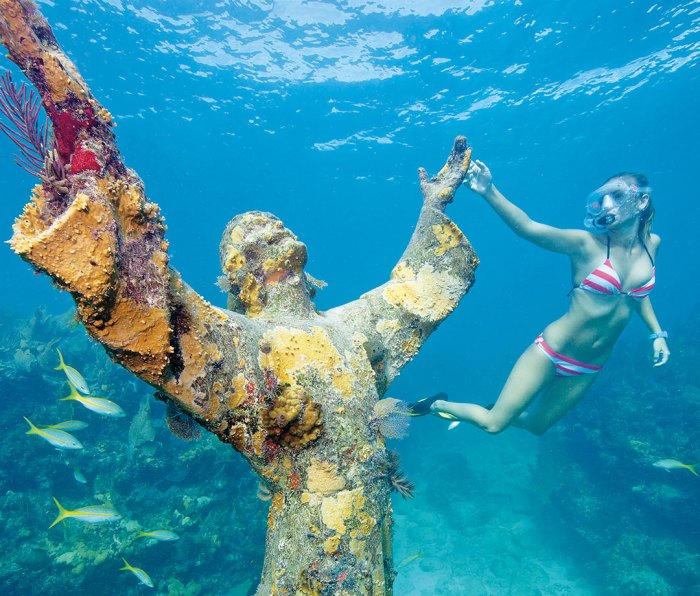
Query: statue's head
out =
(260, 257)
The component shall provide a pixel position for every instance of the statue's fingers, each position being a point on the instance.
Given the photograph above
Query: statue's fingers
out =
(460, 145)
(466, 161)
(458, 163)
(422, 175)
(458, 151)
(461, 167)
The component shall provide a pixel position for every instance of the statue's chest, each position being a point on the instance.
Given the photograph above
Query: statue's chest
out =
(318, 358)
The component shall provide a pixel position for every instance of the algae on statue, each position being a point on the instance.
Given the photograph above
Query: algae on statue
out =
(292, 389)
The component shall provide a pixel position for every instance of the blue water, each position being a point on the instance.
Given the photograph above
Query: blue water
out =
(321, 112)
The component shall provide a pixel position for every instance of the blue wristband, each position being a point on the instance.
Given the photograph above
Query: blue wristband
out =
(659, 335)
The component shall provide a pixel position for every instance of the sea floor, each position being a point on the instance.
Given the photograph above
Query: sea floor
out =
(479, 522)
(580, 511)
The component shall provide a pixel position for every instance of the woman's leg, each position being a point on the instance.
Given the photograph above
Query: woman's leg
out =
(555, 402)
(532, 373)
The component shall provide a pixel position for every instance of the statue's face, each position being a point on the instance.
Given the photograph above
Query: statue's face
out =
(283, 253)
(258, 252)
(257, 243)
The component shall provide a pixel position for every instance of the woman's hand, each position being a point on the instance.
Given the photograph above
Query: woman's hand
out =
(661, 351)
(478, 178)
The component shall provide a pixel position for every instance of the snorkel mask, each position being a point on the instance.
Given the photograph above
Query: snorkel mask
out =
(615, 200)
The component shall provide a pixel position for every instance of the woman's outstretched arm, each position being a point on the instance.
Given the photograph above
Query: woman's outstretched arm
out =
(480, 180)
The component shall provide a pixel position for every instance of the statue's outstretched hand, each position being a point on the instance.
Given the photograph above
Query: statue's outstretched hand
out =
(478, 178)
(439, 190)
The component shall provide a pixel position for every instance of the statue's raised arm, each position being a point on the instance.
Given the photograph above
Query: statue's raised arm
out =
(90, 227)
(434, 272)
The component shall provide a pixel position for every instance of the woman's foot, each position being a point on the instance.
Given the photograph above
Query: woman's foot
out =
(443, 409)
(424, 406)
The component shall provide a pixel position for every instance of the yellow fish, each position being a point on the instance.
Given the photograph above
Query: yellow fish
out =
(79, 476)
(674, 464)
(68, 425)
(163, 535)
(100, 405)
(139, 573)
(58, 438)
(409, 559)
(94, 514)
(263, 493)
(73, 375)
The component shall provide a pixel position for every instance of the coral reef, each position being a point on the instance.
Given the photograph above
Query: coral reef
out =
(141, 430)
(158, 483)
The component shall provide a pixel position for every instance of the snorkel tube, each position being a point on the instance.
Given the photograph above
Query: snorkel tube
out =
(599, 223)
(605, 204)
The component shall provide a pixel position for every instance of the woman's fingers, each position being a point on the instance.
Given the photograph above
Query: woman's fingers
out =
(483, 168)
(661, 351)
(661, 357)
(478, 177)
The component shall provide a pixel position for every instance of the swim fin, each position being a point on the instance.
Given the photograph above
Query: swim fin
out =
(447, 416)
(422, 406)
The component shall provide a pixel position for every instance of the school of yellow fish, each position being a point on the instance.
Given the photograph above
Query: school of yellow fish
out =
(58, 436)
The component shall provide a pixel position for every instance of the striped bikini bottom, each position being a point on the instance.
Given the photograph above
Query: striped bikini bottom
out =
(565, 366)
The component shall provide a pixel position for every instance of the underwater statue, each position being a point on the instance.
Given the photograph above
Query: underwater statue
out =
(292, 389)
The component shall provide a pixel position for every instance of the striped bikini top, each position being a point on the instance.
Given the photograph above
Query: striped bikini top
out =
(605, 280)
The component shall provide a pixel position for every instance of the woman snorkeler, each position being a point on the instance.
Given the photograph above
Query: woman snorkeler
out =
(613, 271)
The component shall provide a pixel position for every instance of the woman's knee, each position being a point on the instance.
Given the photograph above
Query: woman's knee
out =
(493, 427)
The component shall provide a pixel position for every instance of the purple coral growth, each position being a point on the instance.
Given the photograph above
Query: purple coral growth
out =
(21, 107)
(143, 281)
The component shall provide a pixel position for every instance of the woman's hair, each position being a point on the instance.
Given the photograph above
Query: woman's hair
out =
(646, 216)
